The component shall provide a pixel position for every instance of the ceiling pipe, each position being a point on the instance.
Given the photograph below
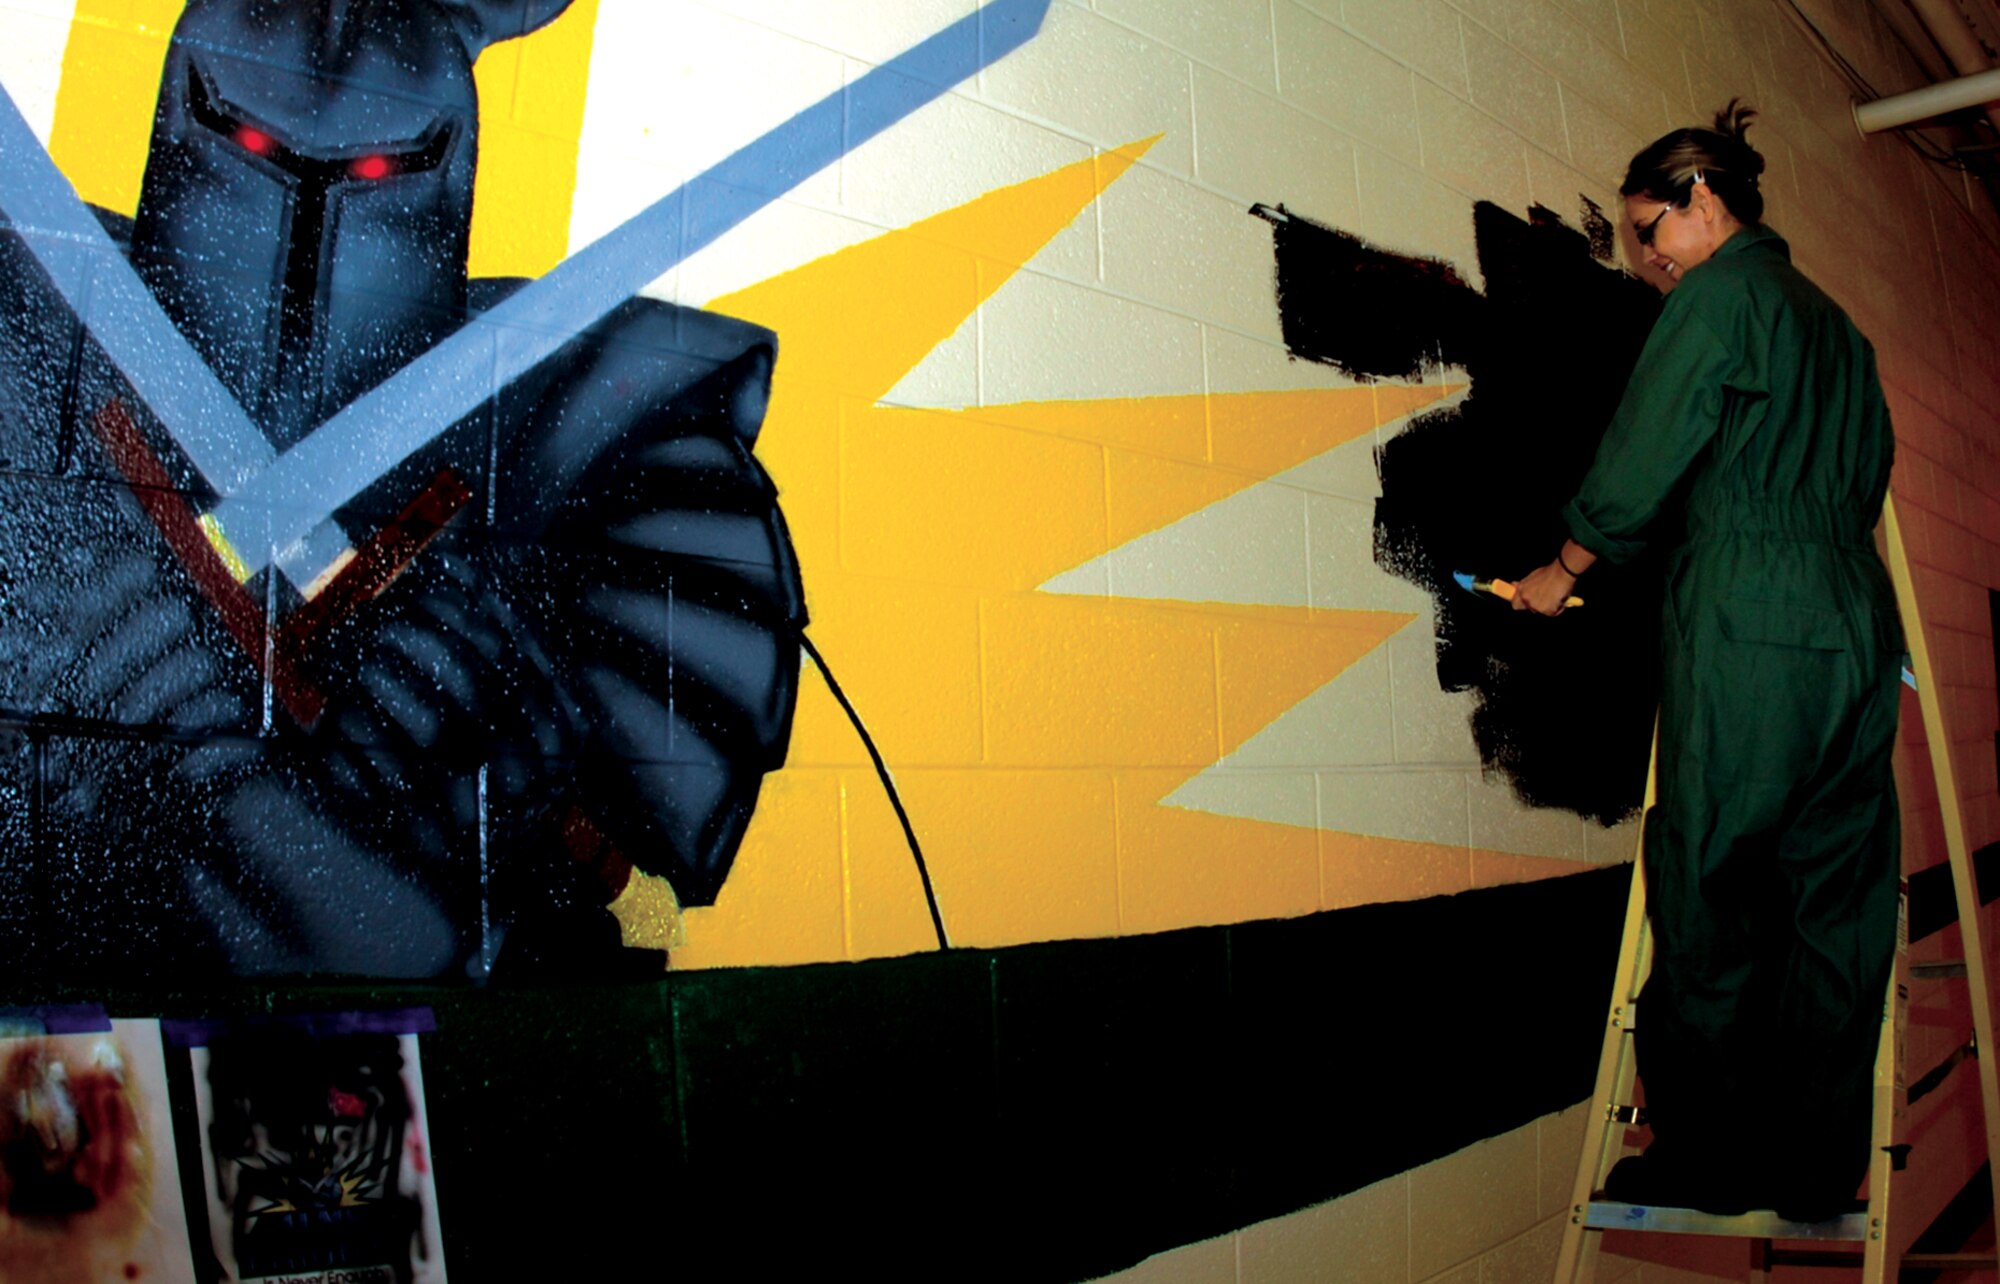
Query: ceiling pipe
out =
(1931, 100)
(1960, 44)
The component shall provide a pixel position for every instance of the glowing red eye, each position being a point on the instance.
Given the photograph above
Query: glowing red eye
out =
(372, 167)
(252, 139)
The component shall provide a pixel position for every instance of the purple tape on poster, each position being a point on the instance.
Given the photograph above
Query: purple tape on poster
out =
(59, 1018)
(199, 1032)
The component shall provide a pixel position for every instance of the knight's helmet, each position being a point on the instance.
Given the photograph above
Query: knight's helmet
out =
(305, 208)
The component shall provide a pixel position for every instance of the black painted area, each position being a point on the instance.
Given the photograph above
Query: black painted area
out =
(1566, 705)
(1116, 1060)
(1934, 902)
(1047, 1112)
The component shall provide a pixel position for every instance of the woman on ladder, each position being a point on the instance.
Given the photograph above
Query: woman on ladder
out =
(1772, 856)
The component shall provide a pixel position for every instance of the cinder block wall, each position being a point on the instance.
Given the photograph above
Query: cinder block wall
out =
(1091, 552)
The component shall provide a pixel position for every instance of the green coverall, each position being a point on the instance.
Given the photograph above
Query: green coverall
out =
(1772, 855)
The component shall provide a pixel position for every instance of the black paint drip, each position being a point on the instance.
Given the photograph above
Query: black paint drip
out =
(1565, 705)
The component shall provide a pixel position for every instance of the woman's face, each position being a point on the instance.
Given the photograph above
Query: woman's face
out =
(1676, 238)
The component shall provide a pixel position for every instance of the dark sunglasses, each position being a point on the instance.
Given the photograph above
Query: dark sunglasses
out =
(1646, 230)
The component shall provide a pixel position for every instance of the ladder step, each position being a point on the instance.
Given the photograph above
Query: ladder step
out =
(1608, 1214)
(1937, 971)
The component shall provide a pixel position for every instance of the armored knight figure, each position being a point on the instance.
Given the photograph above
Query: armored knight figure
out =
(578, 651)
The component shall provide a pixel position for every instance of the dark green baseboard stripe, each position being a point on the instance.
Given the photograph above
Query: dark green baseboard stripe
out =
(1045, 1112)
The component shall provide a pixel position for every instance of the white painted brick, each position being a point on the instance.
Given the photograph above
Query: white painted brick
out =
(1237, 363)
(890, 29)
(781, 236)
(1422, 34)
(1413, 805)
(1727, 61)
(1611, 844)
(1347, 471)
(1188, 251)
(1281, 797)
(1360, 1238)
(56, 10)
(1464, 1202)
(31, 60)
(1599, 145)
(1343, 724)
(1514, 89)
(956, 150)
(1498, 17)
(655, 69)
(1209, 1261)
(1433, 726)
(1600, 18)
(1250, 547)
(1658, 54)
(1681, 19)
(1103, 82)
(1558, 1147)
(1468, 150)
(1528, 1258)
(1253, 147)
(1593, 67)
(1501, 822)
(1092, 579)
(948, 376)
(1231, 36)
(1405, 210)
(1110, 347)
(1710, 89)
(1358, 90)
(1344, 573)
(1554, 184)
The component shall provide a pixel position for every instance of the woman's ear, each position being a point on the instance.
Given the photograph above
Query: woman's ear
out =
(480, 23)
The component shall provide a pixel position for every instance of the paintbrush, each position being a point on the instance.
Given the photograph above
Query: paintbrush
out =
(1501, 589)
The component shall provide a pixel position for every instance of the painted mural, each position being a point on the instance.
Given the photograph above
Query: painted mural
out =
(326, 653)
(522, 491)
(569, 657)
(427, 605)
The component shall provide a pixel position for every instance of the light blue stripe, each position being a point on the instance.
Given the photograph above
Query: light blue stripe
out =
(124, 317)
(386, 425)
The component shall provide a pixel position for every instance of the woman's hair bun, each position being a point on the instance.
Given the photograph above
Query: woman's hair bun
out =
(1666, 170)
(1733, 123)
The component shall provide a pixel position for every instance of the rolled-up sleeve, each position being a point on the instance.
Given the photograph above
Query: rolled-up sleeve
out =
(1669, 414)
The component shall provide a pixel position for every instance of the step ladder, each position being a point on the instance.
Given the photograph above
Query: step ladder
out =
(1830, 1243)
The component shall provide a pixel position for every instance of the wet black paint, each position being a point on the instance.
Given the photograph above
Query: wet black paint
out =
(1566, 705)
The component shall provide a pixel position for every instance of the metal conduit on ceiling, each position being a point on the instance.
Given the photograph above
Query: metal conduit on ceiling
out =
(1954, 120)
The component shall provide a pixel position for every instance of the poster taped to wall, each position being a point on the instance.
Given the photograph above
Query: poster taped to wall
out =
(89, 1189)
(315, 1154)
